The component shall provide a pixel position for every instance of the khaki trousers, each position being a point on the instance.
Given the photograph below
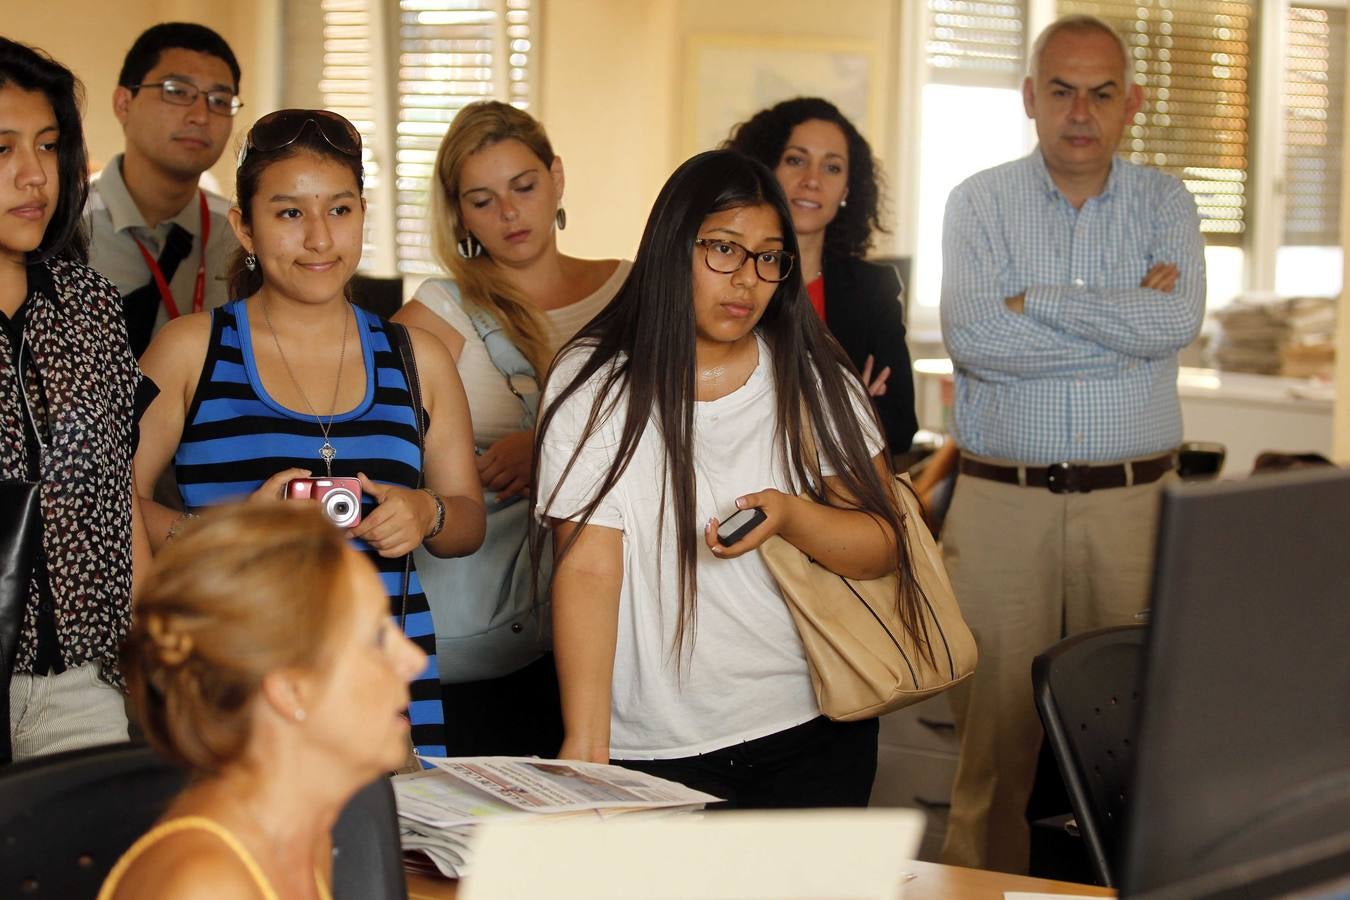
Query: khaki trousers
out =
(1029, 567)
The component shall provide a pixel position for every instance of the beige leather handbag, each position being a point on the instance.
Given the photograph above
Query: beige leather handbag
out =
(863, 662)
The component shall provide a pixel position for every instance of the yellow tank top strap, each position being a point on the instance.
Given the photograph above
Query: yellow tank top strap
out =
(189, 823)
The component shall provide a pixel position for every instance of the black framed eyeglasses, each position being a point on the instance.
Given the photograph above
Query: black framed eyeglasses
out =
(282, 128)
(185, 93)
(726, 257)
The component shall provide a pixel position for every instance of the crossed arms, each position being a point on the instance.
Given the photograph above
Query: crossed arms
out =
(1064, 330)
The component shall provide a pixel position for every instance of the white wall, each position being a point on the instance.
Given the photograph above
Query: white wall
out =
(92, 39)
(614, 84)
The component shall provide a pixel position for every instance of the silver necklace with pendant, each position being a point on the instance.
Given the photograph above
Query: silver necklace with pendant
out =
(327, 452)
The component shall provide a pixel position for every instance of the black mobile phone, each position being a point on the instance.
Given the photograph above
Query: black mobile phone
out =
(741, 523)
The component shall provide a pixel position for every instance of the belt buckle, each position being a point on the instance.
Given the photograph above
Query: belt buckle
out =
(1064, 478)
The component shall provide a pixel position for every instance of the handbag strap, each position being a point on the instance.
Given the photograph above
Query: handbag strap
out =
(400, 337)
(505, 356)
(403, 340)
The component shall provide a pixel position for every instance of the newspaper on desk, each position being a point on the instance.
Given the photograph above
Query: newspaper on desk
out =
(439, 807)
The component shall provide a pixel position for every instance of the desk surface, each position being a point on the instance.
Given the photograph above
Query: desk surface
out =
(933, 882)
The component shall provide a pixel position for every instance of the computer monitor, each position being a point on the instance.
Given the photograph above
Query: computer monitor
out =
(1242, 770)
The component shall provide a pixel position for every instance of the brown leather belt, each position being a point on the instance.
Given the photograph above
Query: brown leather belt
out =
(1074, 478)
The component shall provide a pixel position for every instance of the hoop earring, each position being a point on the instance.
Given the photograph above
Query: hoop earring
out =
(251, 262)
(469, 247)
(561, 218)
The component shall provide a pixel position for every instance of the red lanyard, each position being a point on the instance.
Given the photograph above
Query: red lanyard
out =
(198, 292)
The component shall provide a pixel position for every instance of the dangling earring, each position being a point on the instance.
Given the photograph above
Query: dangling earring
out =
(251, 262)
(469, 247)
(561, 218)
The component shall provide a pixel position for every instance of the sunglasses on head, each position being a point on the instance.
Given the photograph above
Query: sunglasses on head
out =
(282, 128)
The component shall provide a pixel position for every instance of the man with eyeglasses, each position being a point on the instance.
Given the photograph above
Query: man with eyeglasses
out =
(154, 232)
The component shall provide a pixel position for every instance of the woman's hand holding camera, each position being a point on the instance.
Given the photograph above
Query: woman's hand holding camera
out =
(778, 509)
(400, 521)
(274, 488)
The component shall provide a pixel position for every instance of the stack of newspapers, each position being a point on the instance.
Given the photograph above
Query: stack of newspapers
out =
(438, 808)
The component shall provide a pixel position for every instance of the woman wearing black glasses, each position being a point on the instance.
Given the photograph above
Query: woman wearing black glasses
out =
(291, 391)
(682, 404)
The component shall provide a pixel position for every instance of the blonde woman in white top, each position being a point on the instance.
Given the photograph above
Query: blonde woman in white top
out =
(496, 211)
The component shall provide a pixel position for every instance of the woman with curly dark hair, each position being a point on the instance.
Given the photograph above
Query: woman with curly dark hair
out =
(834, 187)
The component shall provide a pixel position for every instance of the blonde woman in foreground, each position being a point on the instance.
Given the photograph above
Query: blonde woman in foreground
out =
(262, 645)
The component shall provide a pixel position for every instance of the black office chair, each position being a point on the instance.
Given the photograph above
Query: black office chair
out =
(1087, 694)
(367, 856)
(67, 818)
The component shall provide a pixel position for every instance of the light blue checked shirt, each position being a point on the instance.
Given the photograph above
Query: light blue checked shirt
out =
(1089, 372)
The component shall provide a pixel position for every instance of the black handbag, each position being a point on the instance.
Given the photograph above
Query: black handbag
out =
(20, 537)
(20, 532)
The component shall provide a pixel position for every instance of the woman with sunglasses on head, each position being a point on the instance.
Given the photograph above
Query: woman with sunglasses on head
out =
(496, 209)
(695, 396)
(70, 397)
(833, 186)
(290, 384)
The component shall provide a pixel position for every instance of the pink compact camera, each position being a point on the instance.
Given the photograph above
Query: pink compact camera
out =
(339, 498)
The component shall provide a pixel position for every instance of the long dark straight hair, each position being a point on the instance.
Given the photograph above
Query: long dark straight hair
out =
(29, 69)
(642, 348)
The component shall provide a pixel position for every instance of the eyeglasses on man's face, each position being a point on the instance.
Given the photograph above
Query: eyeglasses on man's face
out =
(726, 257)
(185, 93)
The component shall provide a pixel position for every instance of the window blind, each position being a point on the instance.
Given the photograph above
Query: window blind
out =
(346, 85)
(976, 42)
(1314, 117)
(1193, 59)
(450, 53)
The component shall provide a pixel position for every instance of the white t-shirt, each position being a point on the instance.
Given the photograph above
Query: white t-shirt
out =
(494, 410)
(746, 676)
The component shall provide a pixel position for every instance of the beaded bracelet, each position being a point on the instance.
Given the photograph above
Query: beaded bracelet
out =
(440, 514)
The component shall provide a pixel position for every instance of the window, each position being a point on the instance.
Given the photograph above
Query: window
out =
(1197, 61)
(400, 70)
(450, 54)
(1309, 259)
(347, 86)
(971, 114)
(1193, 59)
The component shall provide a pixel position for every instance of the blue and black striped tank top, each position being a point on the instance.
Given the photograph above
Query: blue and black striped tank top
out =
(236, 437)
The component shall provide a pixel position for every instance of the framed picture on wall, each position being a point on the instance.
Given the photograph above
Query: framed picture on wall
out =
(727, 78)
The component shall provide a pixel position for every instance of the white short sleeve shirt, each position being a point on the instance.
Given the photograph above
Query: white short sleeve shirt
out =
(746, 675)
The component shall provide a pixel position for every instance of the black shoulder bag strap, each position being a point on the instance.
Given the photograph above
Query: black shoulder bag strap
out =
(398, 335)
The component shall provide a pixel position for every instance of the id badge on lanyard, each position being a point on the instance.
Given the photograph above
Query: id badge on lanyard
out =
(199, 290)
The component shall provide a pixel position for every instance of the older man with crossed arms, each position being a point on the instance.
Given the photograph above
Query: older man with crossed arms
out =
(1071, 279)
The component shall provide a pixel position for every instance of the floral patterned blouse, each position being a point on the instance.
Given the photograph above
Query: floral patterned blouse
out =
(82, 384)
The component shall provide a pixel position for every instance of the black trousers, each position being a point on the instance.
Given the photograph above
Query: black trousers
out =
(516, 715)
(816, 764)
